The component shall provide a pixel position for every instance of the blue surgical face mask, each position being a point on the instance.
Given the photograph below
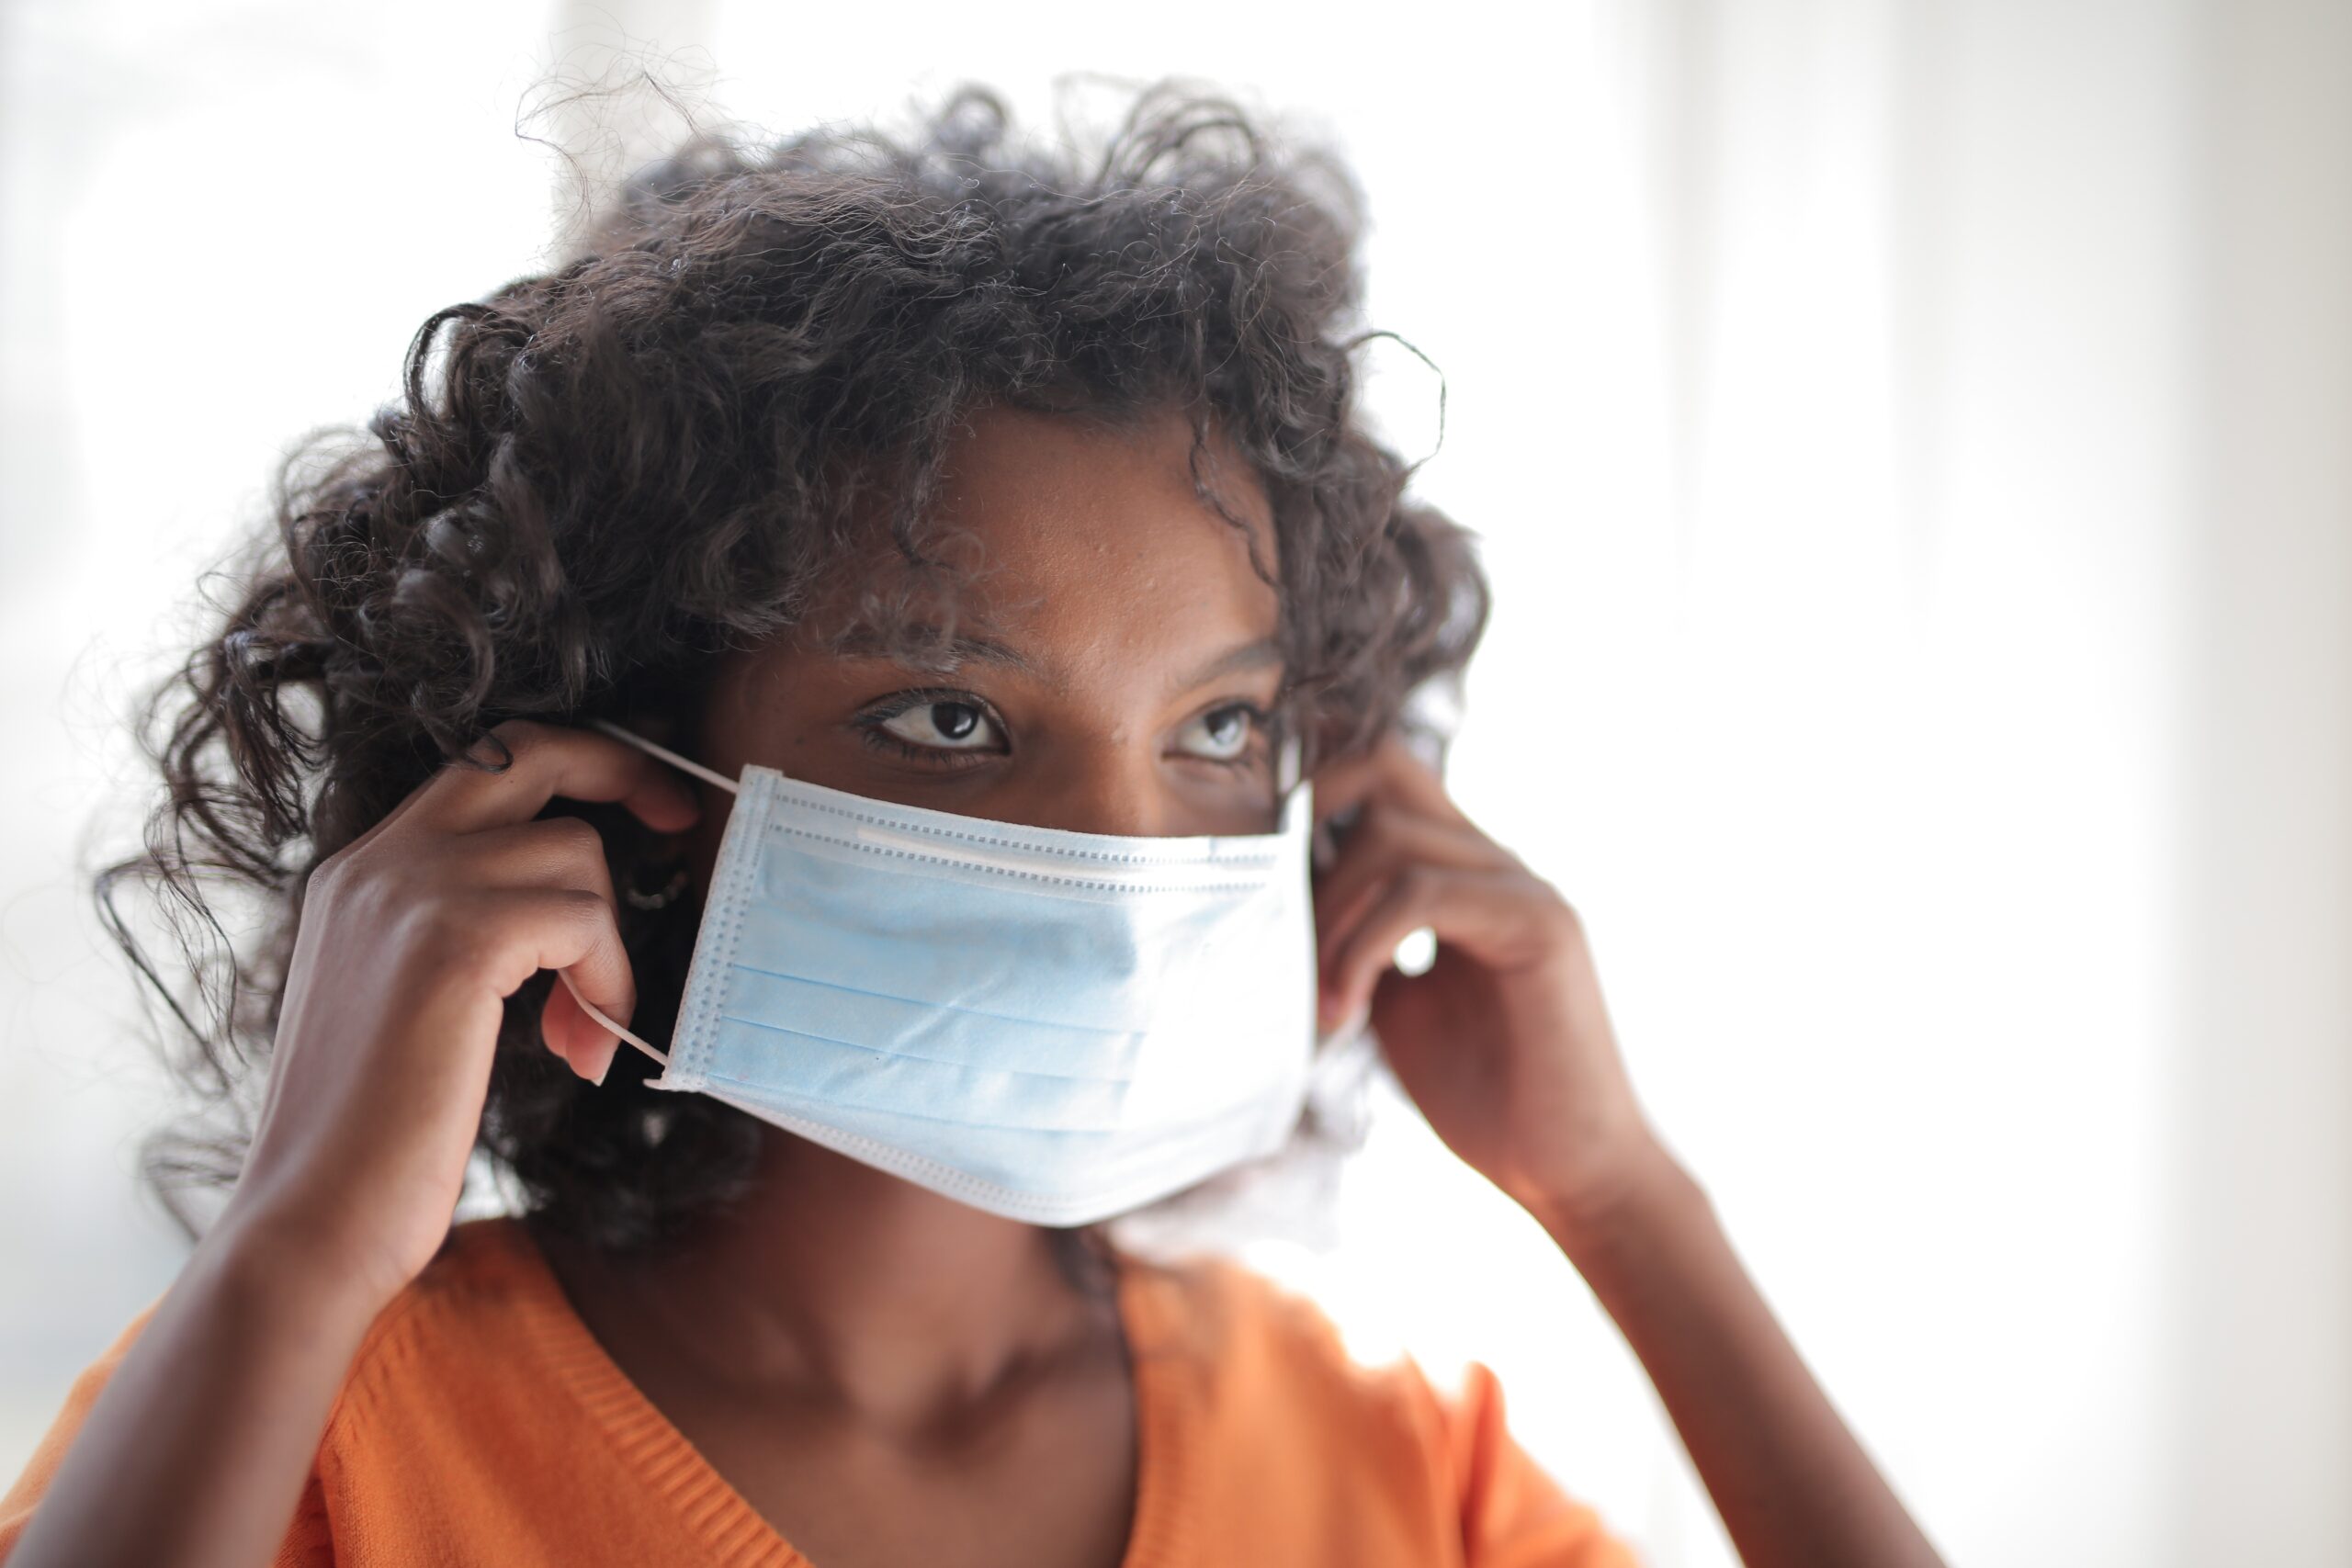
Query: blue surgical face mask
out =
(1053, 1026)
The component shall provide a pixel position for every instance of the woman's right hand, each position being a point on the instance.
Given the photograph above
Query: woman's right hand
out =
(410, 938)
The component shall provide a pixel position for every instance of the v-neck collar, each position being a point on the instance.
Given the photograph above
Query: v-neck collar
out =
(735, 1535)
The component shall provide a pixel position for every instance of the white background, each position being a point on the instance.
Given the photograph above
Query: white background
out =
(1911, 443)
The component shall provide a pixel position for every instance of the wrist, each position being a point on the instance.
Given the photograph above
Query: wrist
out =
(1621, 1207)
(283, 1270)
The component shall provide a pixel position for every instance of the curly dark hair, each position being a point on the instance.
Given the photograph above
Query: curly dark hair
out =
(601, 477)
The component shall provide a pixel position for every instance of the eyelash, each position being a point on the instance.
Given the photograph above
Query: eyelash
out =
(1261, 727)
(869, 727)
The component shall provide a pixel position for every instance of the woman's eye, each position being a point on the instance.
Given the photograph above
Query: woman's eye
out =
(945, 726)
(1220, 735)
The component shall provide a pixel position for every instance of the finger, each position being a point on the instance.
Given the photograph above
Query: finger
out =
(1391, 772)
(562, 928)
(573, 1033)
(554, 852)
(549, 761)
(1386, 838)
(1487, 914)
(550, 852)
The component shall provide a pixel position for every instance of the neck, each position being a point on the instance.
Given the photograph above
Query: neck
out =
(832, 1280)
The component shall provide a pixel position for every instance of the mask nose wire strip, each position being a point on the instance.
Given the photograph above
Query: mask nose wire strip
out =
(594, 1011)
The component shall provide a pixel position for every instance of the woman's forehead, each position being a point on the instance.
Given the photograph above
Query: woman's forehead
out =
(1049, 529)
(1048, 480)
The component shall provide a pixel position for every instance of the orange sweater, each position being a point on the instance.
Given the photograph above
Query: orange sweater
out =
(457, 1440)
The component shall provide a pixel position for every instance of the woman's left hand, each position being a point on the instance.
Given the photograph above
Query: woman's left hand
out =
(1503, 1042)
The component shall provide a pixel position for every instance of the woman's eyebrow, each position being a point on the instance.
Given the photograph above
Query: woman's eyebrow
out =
(923, 646)
(1248, 656)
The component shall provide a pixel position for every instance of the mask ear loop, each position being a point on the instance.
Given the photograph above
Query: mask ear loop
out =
(619, 1030)
(684, 764)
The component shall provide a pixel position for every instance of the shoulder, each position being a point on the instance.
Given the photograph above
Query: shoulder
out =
(1305, 1435)
(479, 1356)
(481, 1422)
(17, 1503)
(481, 1301)
(477, 1307)
(1264, 1366)
(1256, 1338)
(1259, 1340)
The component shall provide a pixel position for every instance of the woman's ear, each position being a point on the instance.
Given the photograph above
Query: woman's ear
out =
(1330, 831)
(659, 875)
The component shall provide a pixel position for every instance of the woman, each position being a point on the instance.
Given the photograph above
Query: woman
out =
(1009, 513)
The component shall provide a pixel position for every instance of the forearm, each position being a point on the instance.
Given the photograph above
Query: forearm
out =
(196, 1453)
(1792, 1483)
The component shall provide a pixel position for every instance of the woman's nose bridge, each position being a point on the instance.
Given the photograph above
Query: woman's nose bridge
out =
(1104, 785)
